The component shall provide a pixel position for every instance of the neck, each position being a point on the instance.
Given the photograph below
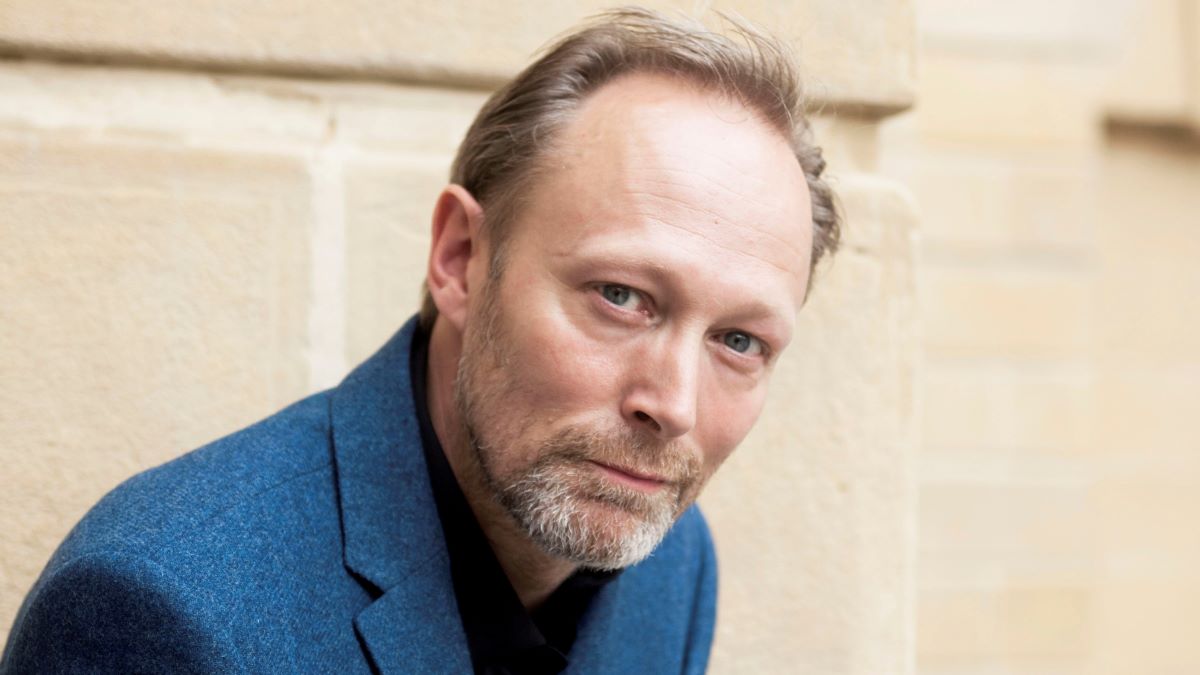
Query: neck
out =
(533, 574)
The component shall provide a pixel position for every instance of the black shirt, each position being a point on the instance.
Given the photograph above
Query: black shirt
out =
(502, 635)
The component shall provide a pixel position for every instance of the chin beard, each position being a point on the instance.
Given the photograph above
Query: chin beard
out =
(572, 513)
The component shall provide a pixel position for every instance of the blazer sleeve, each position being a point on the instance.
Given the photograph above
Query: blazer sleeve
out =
(114, 614)
(704, 610)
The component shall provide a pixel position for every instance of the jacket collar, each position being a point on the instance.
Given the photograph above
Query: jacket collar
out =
(389, 521)
(392, 537)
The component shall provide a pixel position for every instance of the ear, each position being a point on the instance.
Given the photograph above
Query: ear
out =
(457, 219)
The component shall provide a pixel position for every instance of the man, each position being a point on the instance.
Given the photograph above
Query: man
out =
(507, 486)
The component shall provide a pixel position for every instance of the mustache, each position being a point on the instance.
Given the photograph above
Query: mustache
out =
(624, 449)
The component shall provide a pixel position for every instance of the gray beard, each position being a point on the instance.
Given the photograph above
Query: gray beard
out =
(573, 513)
(561, 502)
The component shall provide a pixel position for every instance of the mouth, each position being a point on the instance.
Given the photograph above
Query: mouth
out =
(643, 482)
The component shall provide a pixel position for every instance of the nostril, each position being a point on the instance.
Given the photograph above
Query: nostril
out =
(647, 419)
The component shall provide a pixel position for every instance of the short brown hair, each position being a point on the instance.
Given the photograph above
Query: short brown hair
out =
(500, 154)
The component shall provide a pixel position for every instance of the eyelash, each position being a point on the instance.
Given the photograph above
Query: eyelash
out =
(764, 350)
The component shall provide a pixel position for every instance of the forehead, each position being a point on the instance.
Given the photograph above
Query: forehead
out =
(661, 168)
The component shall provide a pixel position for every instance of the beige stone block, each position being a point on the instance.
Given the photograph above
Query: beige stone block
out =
(1139, 410)
(1047, 622)
(1006, 521)
(156, 104)
(404, 143)
(988, 102)
(813, 515)
(248, 111)
(856, 53)
(1022, 629)
(1065, 29)
(975, 203)
(848, 143)
(962, 200)
(1147, 626)
(411, 122)
(1006, 312)
(151, 298)
(1147, 245)
(956, 627)
(1192, 9)
(871, 207)
(972, 407)
(389, 206)
(1152, 80)
(1052, 208)
(1148, 507)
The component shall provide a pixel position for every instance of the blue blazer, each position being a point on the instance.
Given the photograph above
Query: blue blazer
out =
(310, 542)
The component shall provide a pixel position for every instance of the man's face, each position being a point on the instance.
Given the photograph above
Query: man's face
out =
(648, 286)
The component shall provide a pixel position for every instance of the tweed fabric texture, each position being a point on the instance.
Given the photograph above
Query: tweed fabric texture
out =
(310, 542)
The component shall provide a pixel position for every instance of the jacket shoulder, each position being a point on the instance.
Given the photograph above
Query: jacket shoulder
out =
(115, 613)
(159, 507)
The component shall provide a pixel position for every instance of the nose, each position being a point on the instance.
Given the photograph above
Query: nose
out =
(663, 391)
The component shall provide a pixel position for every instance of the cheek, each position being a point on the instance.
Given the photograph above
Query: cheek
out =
(725, 420)
(558, 368)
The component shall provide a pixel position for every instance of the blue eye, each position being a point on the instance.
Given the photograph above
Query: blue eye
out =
(621, 296)
(742, 343)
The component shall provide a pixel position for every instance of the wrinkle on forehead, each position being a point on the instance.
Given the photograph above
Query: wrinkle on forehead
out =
(664, 193)
(710, 238)
(649, 148)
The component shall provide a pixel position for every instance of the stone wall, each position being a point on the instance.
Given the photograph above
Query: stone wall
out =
(209, 210)
(1054, 153)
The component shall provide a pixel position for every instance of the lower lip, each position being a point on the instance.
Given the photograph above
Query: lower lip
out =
(642, 484)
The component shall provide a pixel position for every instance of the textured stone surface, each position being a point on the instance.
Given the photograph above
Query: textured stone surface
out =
(1148, 243)
(1057, 273)
(1156, 80)
(1013, 409)
(1193, 58)
(975, 98)
(1025, 312)
(1064, 29)
(1147, 377)
(860, 53)
(149, 301)
(389, 203)
(388, 211)
(978, 206)
(1045, 625)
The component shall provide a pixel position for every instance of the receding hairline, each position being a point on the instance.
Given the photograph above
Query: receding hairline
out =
(674, 82)
(560, 153)
(505, 149)
(548, 156)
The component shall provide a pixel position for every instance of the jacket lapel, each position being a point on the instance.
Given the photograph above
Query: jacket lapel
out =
(637, 623)
(392, 536)
(415, 628)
